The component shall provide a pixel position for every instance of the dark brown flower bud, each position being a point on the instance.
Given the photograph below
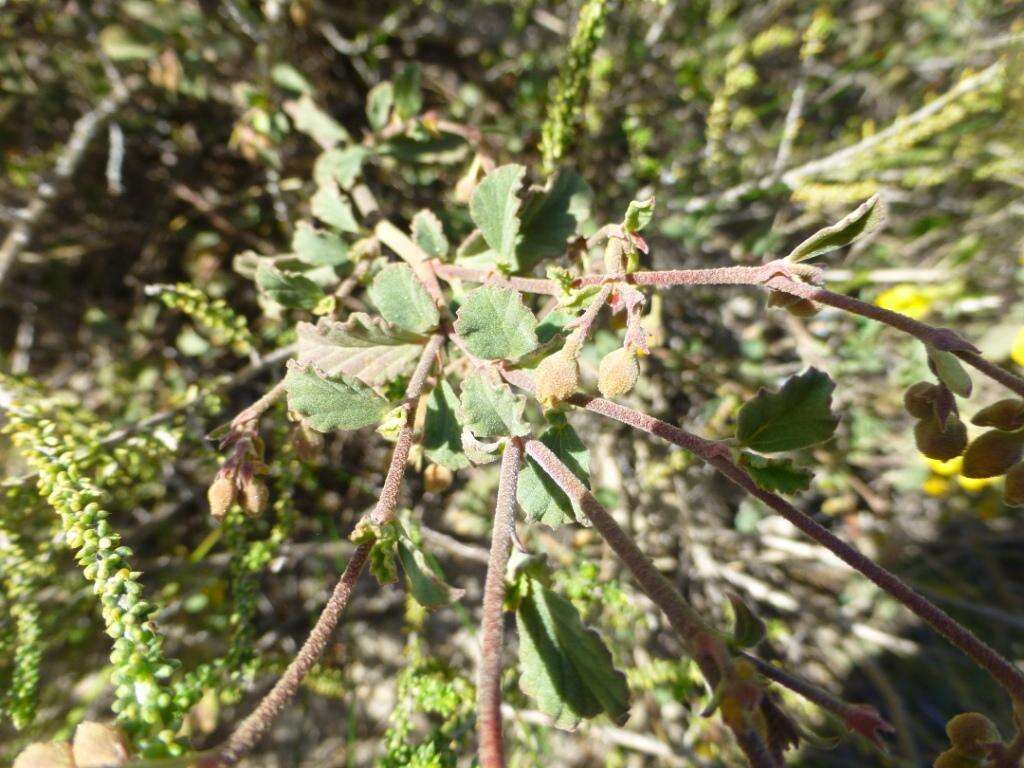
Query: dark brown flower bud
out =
(938, 443)
(436, 478)
(1013, 486)
(992, 453)
(97, 745)
(221, 495)
(557, 378)
(618, 372)
(919, 399)
(254, 497)
(45, 754)
(1004, 414)
(969, 732)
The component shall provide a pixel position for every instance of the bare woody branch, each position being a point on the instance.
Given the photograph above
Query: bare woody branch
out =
(255, 726)
(488, 719)
(702, 642)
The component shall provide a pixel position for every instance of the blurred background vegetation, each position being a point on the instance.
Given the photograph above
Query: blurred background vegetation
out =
(753, 124)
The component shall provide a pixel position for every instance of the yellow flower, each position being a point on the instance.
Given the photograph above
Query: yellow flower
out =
(944, 468)
(1017, 350)
(936, 486)
(975, 484)
(910, 300)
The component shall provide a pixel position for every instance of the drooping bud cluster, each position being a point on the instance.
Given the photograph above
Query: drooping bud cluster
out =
(939, 434)
(1000, 450)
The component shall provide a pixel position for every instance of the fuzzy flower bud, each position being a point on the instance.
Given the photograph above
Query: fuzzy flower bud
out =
(557, 377)
(618, 372)
(954, 758)
(992, 454)
(55, 754)
(1013, 486)
(1004, 414)
(938, 443)
(99, 746)
(970, 732)
(254, 497)
(221, 496)
(919, 399)
(436, 478)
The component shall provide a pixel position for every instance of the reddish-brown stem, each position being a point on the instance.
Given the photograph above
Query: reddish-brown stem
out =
(862, 718)
(261, 406)
(585, 324)
(253, 728)
(701, 641)
(449, 272)
(492, 626)
(1003, 671)
(779, 276)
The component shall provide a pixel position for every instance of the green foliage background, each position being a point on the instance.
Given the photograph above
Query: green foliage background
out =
(691, 102)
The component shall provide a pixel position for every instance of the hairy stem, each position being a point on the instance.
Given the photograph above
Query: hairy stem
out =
(450, 272)
(253, 728)
(488, 719)
(701, 641)
(1002, 670)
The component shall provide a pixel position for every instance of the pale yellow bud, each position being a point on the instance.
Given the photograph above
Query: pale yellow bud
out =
(437, 478)
(557, 377)
(99, 746)
(970, 732)
(48, 754)
(254, 497)
(221, 496)
(618, 372)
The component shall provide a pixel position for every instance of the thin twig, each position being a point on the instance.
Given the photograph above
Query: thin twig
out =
(492, 626)
(450, 272)
(82, 134)
(252, 729)
(1002, 670)
(702, 642)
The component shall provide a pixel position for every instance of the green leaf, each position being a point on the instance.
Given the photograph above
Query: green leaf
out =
(318, 246)
(327, 403)
(489, 409)
(950, 372)
(120, 45)
(289, 289)
(748, 629)
(442, 432)
(551, 217)
(564, 665)
(384, 553)
(402, 299)
(496, 324)
(314, 122)
(638, 214)
(494, 207)
(333, 208)
(379, 101)
(868, 217)
(288, 77)
(429, 234)
(539, 496)
(342, 166)
(427, 587)
(367, 348)
(779, 475)
(408, 94)
(796, 416)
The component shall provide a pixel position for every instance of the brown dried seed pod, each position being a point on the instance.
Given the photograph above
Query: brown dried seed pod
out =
(992, 453)
(969, 732)
(938, 443)
(1013, 486)
(99, 746)
(919, 399)
(436, 478)
(221, 495)
(557, 378)
(254, 497)
(1005, 414)
(45, 754)
(954, 758)
(618, 372)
